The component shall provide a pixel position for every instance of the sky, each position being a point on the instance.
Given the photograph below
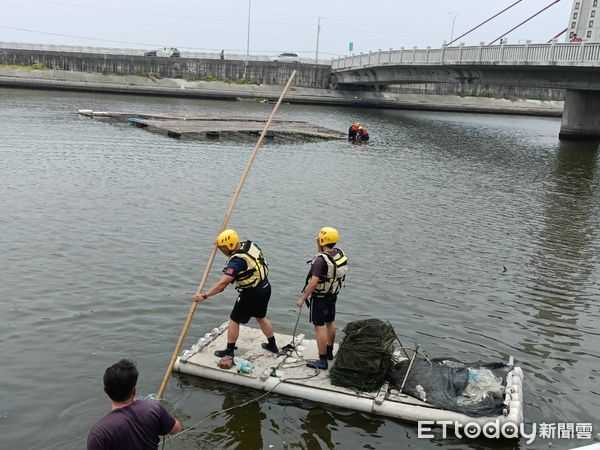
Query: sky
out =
(275, 25)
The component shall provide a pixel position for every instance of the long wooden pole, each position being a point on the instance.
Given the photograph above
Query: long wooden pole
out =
(188, 321)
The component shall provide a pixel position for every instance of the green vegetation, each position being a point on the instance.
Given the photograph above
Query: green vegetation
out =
(208, 77)
(149, 75)
(36, 66)
(245, 81)
(111, 72)
(540, 97)
(512, 98)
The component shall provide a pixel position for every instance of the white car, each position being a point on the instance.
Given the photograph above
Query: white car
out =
(286, 57)
(169, 52)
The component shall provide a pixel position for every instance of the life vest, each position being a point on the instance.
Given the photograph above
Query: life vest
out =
(257, 268)
(337, 267)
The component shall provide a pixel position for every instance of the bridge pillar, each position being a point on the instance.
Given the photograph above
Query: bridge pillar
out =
(581, 116)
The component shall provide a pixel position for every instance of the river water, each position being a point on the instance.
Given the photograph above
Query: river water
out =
(477, 236)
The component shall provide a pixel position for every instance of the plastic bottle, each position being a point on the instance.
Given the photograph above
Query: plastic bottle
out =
(243, 365)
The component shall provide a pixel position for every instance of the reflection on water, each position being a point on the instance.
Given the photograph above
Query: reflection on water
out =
(476, 235)
(242, 425)
(563, 267)
(247, 419)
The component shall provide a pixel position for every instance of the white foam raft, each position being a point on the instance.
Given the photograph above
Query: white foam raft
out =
(288, 375)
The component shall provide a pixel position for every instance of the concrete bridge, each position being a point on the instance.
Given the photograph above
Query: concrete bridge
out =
(571, 66)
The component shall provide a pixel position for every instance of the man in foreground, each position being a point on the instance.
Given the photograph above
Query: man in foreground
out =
(132, 424)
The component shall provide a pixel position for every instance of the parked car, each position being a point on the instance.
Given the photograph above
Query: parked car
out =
(170, 52)
(286, 57)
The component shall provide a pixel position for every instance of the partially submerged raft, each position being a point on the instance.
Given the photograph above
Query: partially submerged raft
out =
(203, 127)
(287, 374)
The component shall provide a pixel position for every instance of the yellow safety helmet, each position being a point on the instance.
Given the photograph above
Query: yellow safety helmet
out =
(228, 238)
(328, 235)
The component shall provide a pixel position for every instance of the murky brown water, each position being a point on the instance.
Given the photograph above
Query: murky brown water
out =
(105, 231)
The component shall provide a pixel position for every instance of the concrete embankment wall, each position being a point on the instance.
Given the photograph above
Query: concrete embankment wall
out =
(263, 72)
(479, 90)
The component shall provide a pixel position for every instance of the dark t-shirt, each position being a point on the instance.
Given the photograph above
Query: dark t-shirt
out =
(136, 426)
(234, 267)
(319, 267)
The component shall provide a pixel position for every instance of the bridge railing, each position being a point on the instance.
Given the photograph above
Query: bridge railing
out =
(581, 53)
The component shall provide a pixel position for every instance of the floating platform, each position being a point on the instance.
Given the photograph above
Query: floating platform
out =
(202, 127)
(287, 374)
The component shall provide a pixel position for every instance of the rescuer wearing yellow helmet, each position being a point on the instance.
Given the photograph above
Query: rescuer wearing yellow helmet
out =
(248, 269)
(323, 282)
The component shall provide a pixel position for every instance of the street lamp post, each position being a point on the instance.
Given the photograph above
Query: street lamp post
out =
(247, 40)
(318, 34)
(453, 20)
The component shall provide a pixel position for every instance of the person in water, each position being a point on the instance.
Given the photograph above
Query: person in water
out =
(247, 268)
(362, 135)
(323, 283)
(131, 424)
(353, 131)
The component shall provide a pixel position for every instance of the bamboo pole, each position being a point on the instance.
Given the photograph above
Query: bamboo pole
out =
(214, 250)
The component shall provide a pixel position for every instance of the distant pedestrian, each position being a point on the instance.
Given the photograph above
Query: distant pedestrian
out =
(132, 424)
(222, 54)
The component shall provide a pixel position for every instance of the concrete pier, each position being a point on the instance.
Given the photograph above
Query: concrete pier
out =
(581, 116)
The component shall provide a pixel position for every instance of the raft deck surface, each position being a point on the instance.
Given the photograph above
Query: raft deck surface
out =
(288, 375)
(211, 127)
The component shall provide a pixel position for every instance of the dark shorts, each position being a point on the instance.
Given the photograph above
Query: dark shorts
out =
(252, 302)
(322, 309)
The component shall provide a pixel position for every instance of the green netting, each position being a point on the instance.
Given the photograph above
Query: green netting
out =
(364, 356)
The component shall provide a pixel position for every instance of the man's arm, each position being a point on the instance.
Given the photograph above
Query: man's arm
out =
(308, 290)
(96, 442)
(219, 286)
(176, 428)
(166, 422)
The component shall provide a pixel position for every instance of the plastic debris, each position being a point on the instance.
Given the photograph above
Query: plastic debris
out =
(243, 365)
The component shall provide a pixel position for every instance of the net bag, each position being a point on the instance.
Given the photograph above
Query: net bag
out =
(364, 356)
